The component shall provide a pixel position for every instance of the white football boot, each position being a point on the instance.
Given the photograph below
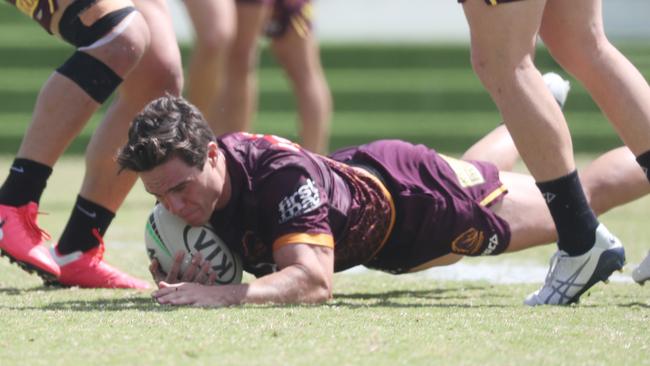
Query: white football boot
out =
(558, 86)
(569, 277)
(642, 272)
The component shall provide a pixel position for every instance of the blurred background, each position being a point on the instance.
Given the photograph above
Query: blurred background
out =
(395, 71)
(438, 21)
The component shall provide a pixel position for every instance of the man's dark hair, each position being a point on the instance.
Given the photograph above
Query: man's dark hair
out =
(167, 127)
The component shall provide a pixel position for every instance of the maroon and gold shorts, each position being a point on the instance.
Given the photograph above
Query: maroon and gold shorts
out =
(297, 14)
(442, 204)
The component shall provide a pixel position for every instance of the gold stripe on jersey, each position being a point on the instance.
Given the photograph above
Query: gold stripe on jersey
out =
(323, 240)
(389, 198)
(493, 195)
(494, 2)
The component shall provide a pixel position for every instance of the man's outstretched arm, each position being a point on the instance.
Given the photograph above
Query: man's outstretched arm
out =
(305, 276)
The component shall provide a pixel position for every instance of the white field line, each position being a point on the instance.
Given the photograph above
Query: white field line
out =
(503, 272)
(498, 273)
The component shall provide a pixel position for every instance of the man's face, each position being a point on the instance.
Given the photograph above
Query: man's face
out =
(189, 192)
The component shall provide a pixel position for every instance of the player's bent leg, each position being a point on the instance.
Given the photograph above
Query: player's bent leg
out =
(69, 97)
(299, 56)
(623, 182)
(103, 190)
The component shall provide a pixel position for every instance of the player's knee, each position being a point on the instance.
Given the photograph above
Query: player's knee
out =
(92, 75)
(156, 76)
(578, 54)
(167, 77)
(214, 43)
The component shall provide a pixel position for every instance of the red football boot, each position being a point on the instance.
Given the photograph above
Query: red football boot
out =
(21, 240)
(90, 270)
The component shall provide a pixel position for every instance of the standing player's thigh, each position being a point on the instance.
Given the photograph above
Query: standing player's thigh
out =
(568, 27)
(504, 31)
(298, 53)
(251, 18)
(160, 69)
(213, 20)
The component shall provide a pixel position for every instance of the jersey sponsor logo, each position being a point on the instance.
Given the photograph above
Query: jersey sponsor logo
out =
(468, 175)
(493, 243)
(305, 199)
(468, 242)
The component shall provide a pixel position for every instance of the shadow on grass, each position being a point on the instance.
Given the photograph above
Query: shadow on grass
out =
(635, 304)
(130, 301)
(439, 297)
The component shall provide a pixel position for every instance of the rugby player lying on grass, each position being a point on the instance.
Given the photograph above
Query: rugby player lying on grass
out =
(295, 217)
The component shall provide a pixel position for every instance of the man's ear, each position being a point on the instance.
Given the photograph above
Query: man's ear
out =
(213, 150)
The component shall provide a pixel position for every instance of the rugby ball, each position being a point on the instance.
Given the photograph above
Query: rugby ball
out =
(166, 234)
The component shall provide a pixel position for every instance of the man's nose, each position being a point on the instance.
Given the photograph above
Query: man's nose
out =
(174, 204)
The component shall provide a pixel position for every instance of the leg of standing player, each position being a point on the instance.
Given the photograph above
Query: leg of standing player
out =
(574, 33)
(103, 190)
(497, 146)
(214, 31)
(237, 108)
(64, 105)
(503, 44)
(298, 52)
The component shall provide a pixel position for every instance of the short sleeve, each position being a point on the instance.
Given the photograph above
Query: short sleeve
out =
(293, 209)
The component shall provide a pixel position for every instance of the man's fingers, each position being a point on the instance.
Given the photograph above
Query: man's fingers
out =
(156, 272)
(174, 272)
(191, 271)
(203, 276)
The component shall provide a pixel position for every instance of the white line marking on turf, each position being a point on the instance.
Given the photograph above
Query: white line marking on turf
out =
(498, 273)
(503, 272)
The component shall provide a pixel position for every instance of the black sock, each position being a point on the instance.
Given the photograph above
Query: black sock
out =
(78, 234)
(576, 223)
(644, 161)
(25, 183)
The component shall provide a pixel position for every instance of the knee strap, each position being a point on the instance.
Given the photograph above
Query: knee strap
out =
(93, 76)
(76, 33)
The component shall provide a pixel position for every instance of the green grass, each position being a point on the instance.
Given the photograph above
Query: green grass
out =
(374, 319)
(424, 94)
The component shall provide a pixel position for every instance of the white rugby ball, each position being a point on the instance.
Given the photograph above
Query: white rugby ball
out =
(166, 234)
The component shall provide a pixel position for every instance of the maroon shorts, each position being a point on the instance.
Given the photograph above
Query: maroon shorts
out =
(442, 204)
(286, 13)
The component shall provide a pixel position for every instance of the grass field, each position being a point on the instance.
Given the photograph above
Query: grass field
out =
(419, 93)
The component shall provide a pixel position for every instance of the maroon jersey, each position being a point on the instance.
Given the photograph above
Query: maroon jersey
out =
(283, 195)
(39, 10)
(388, 205)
